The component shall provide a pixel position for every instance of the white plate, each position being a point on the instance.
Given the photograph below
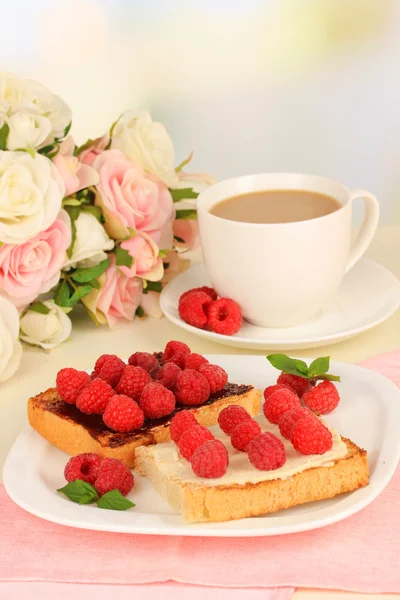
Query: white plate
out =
(369, 295)
(369, 414)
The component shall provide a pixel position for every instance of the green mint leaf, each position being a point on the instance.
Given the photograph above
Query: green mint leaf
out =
(187, 213)
(62, 293)
(123, 258)
(140, 312)
(79, 491)
(288, 365)
(329, 377)
(79, 293)
(39, 307)
(319, 366)
(114, 500)
(4, 131)
(183, 194)
(184, 163)
(86, 275)
(95, 211)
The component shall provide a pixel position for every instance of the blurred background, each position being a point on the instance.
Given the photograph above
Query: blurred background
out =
(249, 85)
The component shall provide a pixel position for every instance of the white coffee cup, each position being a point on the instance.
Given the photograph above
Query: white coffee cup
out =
(282, 274)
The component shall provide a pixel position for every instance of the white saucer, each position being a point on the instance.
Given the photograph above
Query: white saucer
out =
(369, 295)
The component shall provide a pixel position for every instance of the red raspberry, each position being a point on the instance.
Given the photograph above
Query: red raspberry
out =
(167, 375)
(289, 419)
(146, 361)
(83, 466)
(231, 416)
(193, 309)
(191, 388)
(299, 384)
(224, 316)
(111, 369)
(192, 438)
(273, 388)
(182, 421)
(70, 383)
(216, 377)
(243, 433)
(95, 397)
(175, 352)
(266, 452)
(123, 414)
(210, 460)
(207, 290)
(195, 361)
(278, 403)
(310, 436)
(133, 382)
(156, 401)
(323, 398)
(99, 363)
(114, 475)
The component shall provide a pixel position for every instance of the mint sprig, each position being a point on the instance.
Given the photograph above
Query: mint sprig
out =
(318, 368)
(81, 492)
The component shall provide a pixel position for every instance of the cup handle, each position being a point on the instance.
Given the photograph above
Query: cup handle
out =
(368, 228)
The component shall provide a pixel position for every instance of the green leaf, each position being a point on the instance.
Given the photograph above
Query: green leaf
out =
(179, 239)
(84, 146)
(112, 130)
(39, 307)
(51, 155)
(86, 275)
(46, 149)
(66, 130)
(95, 211)
(114, 500)
(184, 163)
(80, 492)
(94, 284)
(140, 312)
(4, 131)
(79, 293)
(71, 202)
(62, 294)
(73, 212)
(163, 253)
(183, 194)
(187, 213)
(319, 366)
(154, 286)
(288, 365)
(123, 258)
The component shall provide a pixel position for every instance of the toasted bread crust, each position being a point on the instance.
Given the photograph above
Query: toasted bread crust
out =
(200, 503)
(74, 438)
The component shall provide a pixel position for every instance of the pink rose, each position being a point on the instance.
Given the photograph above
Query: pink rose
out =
(150, 303)
(188, 231)
(146, 262)
(75, 175)
(130, 199)
(33, 268)
(91, 152)
(174, 265)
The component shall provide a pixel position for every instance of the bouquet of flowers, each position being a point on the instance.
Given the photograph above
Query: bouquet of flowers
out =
(103, 225)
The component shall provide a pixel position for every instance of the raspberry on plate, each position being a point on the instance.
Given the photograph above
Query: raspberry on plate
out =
(123, 414)
(322, 398)
(191, 388)
(231, 416)
(273, 388)
(207, 290)
(195, 361)
(133, 382)
(175, 352)
(310, 436)
(111, 369)
(216, 376)
(192, 438)
(299, 384)
(210, 460)
(289, 419)
(194, 308)
(157, 401)
(266, 452)
(83, 466)
(224, 316)
(278, 403)
(167, 375)
(70, 383)
(243, 433)
(182, 421)
(146, 361)
(114, 475)
(95, 397)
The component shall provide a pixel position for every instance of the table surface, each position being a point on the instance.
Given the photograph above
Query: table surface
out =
(38, 369)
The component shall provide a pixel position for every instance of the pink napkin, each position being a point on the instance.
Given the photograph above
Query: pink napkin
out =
(358, 554)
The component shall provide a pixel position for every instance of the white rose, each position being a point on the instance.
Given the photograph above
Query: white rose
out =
(46, 331)
(10, 348)
(90, 244)
(27, 130)
(146, 143)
